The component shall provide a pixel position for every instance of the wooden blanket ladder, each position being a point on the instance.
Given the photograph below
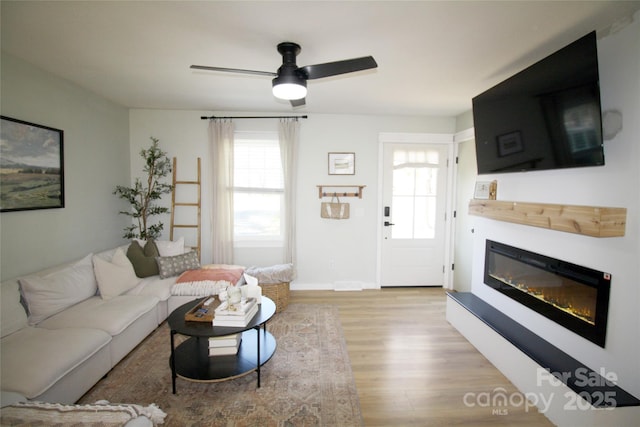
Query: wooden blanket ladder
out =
(193, 190)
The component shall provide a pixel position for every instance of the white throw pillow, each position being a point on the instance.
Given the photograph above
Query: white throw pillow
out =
(50, 294)
(167, 247)
(115, 277)
(12, 314)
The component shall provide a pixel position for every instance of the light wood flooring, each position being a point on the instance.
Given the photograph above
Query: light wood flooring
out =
(412, 368)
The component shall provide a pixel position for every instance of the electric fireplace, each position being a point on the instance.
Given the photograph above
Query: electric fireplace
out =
(571, 295)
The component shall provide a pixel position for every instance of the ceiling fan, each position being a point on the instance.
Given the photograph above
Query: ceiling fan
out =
(290, 81)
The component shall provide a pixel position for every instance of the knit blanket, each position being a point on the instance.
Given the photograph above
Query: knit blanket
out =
(208, 280)
(99, 414)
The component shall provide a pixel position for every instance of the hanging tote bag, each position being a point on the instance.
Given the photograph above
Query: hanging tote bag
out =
(334, 210)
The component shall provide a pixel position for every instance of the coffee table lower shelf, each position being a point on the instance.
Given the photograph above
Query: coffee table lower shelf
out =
(193, 362)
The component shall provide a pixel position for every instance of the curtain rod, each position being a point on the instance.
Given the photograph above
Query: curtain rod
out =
(253, 117)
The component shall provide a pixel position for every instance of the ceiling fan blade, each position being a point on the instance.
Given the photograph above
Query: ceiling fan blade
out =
(298, 102)
(328, 69)
(234, 70)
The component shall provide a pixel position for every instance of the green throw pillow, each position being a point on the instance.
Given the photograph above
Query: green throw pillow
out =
(144, 259)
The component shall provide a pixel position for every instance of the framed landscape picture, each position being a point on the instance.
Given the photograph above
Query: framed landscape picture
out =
(342, 163)
(31, 166)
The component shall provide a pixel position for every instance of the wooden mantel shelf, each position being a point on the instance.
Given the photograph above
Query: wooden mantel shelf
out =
(586, 220)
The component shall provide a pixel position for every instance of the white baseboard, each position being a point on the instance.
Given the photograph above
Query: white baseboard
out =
(346, 285)
(342, 285)
(296, 286)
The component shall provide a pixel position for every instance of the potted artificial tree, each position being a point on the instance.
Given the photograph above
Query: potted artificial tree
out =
(143, 197)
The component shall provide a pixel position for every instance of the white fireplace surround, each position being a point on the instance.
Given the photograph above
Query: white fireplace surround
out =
(545, 394)
(615, 184)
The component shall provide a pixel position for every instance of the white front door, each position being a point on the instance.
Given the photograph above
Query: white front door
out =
(414, 180)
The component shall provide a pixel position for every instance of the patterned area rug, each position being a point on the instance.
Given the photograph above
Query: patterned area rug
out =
(307, 382)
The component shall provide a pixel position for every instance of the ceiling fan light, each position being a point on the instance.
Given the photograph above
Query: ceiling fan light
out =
(289, 89)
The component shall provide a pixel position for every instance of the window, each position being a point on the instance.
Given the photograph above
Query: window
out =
(258, 189)
(415, 191)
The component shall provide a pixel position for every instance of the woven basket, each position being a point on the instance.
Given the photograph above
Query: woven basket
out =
(278, 292)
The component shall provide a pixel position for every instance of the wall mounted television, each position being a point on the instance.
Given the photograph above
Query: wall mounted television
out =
(547, 116)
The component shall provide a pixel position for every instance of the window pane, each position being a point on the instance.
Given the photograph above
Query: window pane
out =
(403, 182)
(414, 196)
(257, 164)
(257, 215)
(415, 157)
(426, 181)
(402, 209)
(259, 187)
(424, 218)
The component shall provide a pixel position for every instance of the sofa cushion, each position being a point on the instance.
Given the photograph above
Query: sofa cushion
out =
(54, 292)
(108, 254)
(115, 277)
(33, 358)
(143, 258)
(174, 265)
(112, 315)
(155, 286)
(13, 316)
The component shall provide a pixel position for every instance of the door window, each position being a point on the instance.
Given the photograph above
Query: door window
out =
(414, 193)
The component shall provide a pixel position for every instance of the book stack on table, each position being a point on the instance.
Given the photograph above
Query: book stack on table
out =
(224, 346)
(237, 315)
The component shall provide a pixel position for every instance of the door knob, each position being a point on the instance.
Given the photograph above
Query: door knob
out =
(387, 224)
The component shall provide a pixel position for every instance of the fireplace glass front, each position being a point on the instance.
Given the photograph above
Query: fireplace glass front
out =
(576, 297)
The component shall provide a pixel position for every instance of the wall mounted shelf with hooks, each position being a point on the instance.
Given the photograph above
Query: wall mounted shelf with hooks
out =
(338, 190)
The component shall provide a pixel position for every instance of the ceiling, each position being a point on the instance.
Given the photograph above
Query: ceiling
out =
(433, 57)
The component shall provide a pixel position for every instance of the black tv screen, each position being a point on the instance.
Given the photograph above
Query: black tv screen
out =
(545, 117)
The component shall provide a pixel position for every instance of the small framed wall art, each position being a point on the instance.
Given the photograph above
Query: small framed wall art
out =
(486, 190)
(342, 163)
(32, 166)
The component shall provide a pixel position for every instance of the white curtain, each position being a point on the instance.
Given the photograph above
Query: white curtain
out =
(221, 161)
(289, 130)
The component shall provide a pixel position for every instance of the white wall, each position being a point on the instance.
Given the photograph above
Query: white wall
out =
(616, 184)
(96, 159)
(181, 135)
(328, 250)
(463, 246)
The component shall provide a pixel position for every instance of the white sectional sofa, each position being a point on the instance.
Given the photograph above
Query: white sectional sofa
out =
(65, 328)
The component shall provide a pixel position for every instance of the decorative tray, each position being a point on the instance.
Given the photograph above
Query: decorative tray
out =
(203, 312)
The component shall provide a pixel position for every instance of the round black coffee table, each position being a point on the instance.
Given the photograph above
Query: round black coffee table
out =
(190, 360)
